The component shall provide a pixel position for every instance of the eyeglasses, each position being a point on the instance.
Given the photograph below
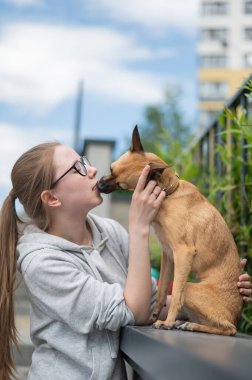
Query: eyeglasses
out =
(79, 166)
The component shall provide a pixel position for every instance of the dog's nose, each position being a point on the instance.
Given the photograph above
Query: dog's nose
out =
(100, 186)
(103, 186)
(106, 186)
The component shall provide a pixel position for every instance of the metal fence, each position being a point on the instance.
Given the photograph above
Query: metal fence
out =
(204, 144)
(208, 157)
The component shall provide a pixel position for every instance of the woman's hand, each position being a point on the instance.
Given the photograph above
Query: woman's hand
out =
(146, 201)
(244, 284)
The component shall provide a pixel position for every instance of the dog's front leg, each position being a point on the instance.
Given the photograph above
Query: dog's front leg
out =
(183, 258)
(165, 278)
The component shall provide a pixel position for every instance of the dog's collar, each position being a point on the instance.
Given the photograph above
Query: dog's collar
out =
(173, 187)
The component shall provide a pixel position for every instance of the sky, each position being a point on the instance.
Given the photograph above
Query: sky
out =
(123, 54)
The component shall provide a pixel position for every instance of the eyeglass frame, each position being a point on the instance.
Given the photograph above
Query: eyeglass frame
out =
(83, 161)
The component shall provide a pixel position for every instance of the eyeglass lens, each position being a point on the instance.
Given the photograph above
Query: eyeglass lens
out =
(85, 161)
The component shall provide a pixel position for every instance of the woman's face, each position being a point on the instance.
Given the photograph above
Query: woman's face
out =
(76, 192)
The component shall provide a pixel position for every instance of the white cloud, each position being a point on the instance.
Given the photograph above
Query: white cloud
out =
(41, 64)
(15, 140)
(155, 14)
(23, 3)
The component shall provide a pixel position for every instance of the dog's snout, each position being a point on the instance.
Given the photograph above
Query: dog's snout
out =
(106, 185)
(103, 188)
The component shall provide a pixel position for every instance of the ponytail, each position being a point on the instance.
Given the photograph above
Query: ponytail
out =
(31, 174)
(8, 241)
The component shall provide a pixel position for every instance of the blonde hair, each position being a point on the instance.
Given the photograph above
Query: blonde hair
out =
(32, 173)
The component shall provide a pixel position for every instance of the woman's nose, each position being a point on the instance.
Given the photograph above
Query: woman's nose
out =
(92, 171)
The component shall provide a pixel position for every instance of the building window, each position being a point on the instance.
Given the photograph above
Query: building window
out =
(217, 34)
(248, 33)
(213, 90)
(210, 8)
(248, 60)
(213, 61)
(248, 7)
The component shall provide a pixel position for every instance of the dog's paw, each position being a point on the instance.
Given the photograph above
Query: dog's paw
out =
(156, 311)
(162, 325)
(178, 323)
(153, 318)
(185, 326)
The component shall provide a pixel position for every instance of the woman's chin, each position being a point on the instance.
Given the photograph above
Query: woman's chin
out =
(99, 199)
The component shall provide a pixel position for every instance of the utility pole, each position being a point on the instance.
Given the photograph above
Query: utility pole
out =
(78, 115)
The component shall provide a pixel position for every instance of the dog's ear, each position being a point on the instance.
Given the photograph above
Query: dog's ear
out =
(156, 170)
(136, 145)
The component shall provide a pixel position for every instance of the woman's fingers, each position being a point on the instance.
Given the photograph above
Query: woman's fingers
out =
(142, 179)
(245, 285)
(161, 196)
(146, 199)
(156, 191)
(155, 194)
(245, 278)
(149, 188)
(245, 291)
(243, 262)
(246, 299)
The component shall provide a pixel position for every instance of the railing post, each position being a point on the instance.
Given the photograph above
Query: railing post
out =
(219, 141)
(229, 170)
(211, 151)
(243, 195)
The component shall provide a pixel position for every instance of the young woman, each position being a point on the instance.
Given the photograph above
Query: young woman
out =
(84, 277)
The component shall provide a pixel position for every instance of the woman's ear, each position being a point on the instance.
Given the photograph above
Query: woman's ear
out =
(49, 199)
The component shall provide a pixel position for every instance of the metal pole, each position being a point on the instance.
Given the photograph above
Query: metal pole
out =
(78, 115)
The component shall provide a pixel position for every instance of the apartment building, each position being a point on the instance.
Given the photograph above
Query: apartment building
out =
(224, 53)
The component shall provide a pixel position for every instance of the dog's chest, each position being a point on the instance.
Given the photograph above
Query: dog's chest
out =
(163, 238)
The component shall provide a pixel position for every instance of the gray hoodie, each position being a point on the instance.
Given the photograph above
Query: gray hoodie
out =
(77, 302)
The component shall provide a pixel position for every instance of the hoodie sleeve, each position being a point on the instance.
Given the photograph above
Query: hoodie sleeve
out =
(118, 235)
(65, 293)
(121, 236)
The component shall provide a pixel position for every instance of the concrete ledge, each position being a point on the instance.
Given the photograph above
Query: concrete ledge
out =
(175, 355)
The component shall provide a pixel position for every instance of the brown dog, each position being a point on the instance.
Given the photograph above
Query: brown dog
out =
(194, 237)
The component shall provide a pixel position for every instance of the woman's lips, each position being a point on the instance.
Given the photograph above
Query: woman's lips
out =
(95, 187)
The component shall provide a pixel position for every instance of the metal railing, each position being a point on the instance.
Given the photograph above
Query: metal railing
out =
(207, 155)
(204, 144)
(175, 355)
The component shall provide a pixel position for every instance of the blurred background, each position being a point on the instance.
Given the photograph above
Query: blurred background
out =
(80, 69)
(86, 72)
(94, 63)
